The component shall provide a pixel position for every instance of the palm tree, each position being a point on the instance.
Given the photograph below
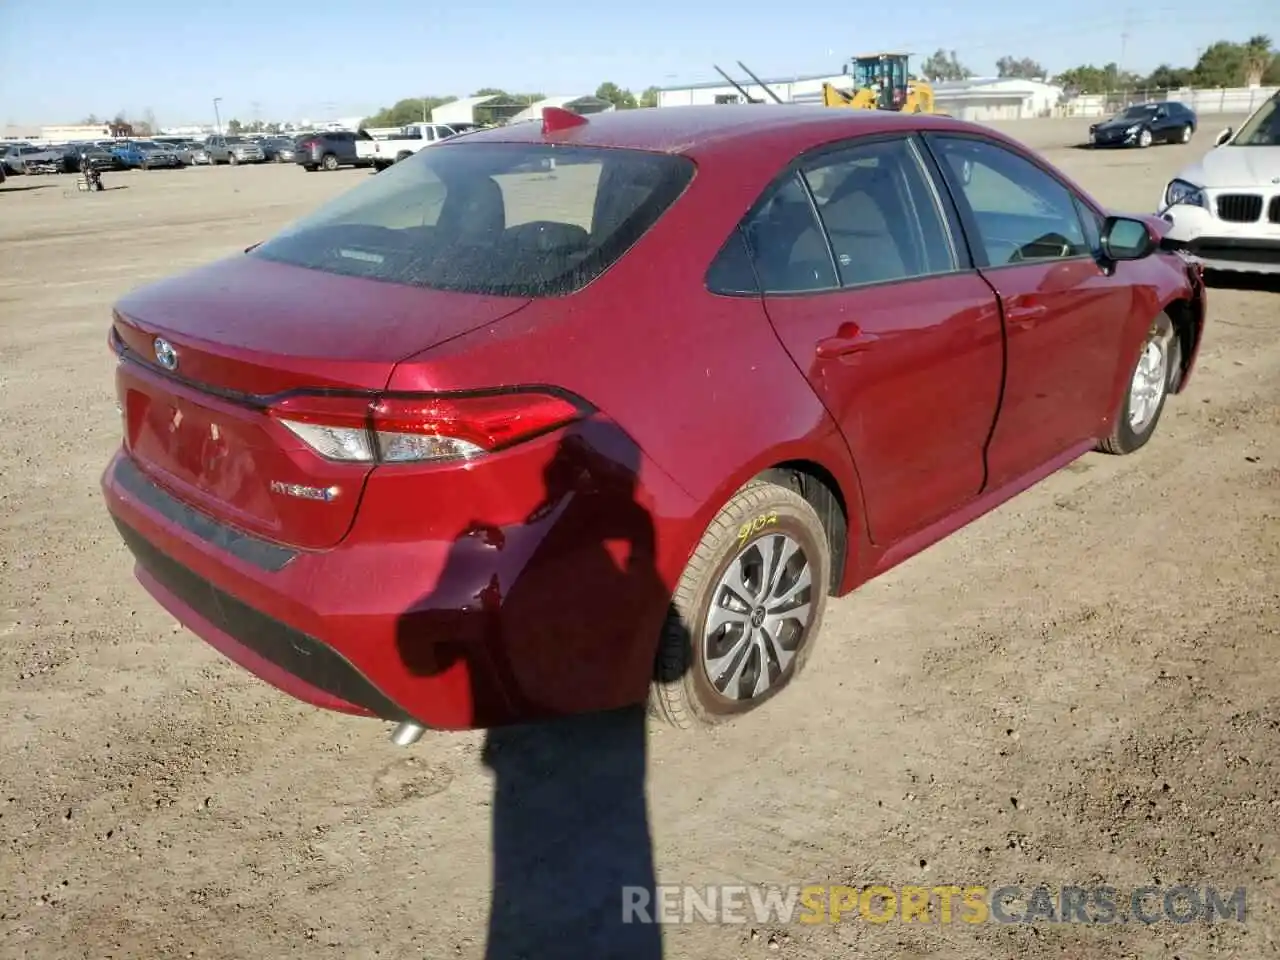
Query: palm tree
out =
(1257, 58)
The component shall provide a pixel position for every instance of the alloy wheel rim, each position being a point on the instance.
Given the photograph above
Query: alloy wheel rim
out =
(1150, 378)
(759, 617)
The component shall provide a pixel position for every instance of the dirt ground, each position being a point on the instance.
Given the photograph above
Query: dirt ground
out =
(1080, 688)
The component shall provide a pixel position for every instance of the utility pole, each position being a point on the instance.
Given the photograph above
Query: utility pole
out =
(217, 117)
(1124, 38)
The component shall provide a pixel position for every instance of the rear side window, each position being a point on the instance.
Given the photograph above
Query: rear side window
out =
(731, 272)
(880, 214)
(787, 246)
(508, 219)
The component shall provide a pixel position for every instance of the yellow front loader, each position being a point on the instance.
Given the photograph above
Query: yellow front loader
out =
(882, 82)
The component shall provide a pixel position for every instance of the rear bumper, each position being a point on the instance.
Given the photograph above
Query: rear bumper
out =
(289, 660)
(496, 625)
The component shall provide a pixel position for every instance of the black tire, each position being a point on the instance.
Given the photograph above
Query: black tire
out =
(1185, 134)
(1150, 138)
(231, 159)
(329, 161)
(683, 694)
(1124, 438)
(403, 155)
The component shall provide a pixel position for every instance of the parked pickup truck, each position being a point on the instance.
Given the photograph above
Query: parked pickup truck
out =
(406, 142)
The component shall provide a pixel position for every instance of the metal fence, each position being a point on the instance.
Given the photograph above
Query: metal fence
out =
(1235, 100)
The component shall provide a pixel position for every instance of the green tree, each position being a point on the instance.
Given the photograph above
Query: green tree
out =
(1023, 68)
(944, 65)
(1165, 77)
(234, 127)
(1088, 79)
(620, 98)
(1258, 57)
(650, 97)
(1221, 65)
(1272, 76)
(406, 111)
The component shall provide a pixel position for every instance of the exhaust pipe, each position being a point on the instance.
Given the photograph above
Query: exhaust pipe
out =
(407, 734)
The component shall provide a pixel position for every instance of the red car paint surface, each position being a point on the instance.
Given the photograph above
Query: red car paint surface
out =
(534, 581)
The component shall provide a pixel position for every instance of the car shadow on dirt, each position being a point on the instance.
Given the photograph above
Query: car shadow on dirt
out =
(570, 831)
(1247, 282)
(4, 188)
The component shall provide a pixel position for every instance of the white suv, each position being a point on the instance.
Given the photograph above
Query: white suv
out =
(1225, 209)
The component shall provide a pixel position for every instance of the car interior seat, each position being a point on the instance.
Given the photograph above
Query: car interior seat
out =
(474, 215)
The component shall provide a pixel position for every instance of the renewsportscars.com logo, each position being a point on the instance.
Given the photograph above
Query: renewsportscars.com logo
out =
(943, 904)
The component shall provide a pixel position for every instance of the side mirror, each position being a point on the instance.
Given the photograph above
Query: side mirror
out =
(1223, 137)
(1124, 238)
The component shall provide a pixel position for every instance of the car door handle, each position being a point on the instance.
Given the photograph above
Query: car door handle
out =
(1027, 316)
(848, 339)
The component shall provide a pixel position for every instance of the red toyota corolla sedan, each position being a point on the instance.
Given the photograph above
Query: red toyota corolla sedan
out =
(557, 417)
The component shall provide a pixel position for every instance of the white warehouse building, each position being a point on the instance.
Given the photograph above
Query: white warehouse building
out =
(1003, 98)
(790, 90)
(977, 99)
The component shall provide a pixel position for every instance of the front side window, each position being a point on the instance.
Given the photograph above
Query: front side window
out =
(1092, 227)
(786, 243)
(880, 214)
(1021, 213)
(1142, 111)
(485, 218)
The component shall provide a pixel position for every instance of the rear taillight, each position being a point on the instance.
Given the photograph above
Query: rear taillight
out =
(400, 429)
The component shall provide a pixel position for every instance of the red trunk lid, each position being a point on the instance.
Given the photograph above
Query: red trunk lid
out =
(245, 330)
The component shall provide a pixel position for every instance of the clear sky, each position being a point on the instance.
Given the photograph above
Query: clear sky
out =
(61, 60)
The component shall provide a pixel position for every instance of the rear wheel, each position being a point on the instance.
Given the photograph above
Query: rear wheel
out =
(1185, 135)
(747, 608)
(329, 161)
(403, 155)
(1157, 366)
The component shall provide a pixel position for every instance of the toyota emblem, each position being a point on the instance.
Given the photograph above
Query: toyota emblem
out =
(166, 356)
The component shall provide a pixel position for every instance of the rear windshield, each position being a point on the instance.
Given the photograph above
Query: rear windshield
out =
(493, 218)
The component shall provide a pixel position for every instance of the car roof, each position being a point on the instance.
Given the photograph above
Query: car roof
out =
(700, 130)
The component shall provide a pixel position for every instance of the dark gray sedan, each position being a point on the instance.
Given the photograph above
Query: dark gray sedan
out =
(278, 149)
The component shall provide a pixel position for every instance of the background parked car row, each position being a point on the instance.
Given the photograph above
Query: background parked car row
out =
(174, 152)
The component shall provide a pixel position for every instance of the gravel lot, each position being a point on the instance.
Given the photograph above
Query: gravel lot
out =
(1080, 688)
